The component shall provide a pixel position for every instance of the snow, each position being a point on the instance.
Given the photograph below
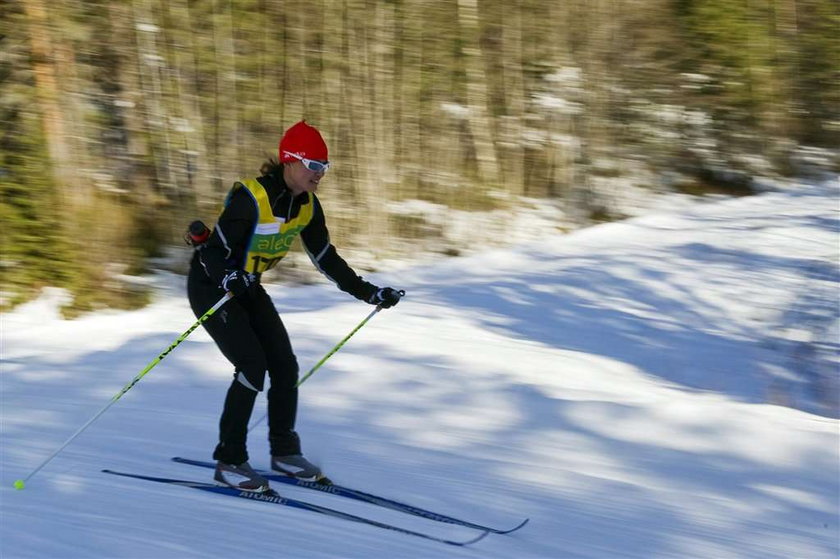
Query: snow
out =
(665, 386)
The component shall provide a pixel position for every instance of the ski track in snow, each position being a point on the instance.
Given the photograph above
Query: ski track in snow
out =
(660, 387)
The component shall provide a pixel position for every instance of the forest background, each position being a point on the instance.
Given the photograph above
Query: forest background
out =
(124, 120)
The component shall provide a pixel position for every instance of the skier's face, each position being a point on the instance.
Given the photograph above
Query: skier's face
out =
(300, 179)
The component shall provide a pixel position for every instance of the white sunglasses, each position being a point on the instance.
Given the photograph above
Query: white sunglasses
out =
(311, 164)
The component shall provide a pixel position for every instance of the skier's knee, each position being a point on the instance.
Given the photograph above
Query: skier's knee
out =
(250, 381)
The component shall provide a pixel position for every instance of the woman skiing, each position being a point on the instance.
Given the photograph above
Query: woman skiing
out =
(260, 219)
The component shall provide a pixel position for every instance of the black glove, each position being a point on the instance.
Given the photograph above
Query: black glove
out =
(238, 282)
(386, 297)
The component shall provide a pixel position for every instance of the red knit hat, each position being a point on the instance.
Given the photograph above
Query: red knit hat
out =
(303, 140)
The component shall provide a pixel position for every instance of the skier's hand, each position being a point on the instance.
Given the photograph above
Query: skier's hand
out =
(238, 282)
(386, 297)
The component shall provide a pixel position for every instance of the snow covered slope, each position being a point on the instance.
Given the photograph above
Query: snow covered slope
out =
(661, 387)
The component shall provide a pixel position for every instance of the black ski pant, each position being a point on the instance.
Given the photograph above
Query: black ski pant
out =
(252, 337)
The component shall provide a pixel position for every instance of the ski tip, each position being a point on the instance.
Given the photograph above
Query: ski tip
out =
(478, 538)
(514, 529)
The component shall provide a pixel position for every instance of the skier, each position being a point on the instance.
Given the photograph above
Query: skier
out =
(260, 219)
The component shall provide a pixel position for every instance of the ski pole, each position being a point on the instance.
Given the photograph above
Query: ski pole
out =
(329, 354)
(20, 484)
(342, 342)
(338, 346)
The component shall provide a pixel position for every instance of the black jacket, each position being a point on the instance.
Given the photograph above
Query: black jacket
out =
(226, 248)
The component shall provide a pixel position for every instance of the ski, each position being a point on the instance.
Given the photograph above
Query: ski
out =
(364, 497)
(273, 498)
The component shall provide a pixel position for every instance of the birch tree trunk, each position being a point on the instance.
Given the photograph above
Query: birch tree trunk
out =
(226, 123)
(383, 82)
(407, 81)
(361, 61)
(293, 98)
(129, 105)
(477, 97)
(194, 152)
(152, 66)
(513, 84)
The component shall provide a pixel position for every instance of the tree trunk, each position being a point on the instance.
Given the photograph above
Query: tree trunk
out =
(44, 63)
(194, 151)
(513, 84)
(477, 97)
